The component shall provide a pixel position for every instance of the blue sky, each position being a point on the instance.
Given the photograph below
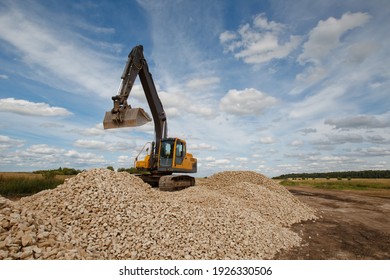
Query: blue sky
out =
(271, 86)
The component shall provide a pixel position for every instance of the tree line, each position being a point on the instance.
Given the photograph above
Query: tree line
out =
(339, 174)
(58, 171)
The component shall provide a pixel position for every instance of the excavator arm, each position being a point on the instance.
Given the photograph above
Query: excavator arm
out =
(122, 115)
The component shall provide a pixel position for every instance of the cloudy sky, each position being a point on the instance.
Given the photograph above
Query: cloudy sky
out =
(272, 86)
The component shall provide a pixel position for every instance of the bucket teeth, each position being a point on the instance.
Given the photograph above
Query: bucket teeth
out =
(130, 117)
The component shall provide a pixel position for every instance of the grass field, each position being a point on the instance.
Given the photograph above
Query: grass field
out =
(343, 184)
(17, 184)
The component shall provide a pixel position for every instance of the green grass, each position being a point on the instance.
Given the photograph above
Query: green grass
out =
(345, 184)
(26, 185)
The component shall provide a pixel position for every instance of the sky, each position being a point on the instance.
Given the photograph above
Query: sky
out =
(271, 86)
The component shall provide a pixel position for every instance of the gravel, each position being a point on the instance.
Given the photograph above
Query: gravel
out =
(102, 214)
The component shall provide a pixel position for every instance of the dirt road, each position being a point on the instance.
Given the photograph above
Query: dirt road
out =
(353, 225)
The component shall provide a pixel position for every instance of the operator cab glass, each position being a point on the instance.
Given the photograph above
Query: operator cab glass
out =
(180, 152)
(166, 153)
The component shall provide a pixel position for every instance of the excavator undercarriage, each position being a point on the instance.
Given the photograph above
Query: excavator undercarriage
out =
(168, 182)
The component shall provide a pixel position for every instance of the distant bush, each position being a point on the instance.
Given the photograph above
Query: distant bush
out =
(49, 175)
(59, 171)
(132, 170)
(343, 174)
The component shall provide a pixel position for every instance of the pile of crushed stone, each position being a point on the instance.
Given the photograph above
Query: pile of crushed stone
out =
(102, 214)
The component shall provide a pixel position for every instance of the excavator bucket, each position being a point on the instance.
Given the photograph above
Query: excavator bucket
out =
(130, 117)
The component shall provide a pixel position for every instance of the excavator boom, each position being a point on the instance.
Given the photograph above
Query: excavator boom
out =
(122, 115)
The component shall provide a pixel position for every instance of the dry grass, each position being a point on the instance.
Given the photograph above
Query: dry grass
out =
(29, 175)
(18, 184)
(334, 183)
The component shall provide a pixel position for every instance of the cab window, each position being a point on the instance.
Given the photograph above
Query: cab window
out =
(179, 149)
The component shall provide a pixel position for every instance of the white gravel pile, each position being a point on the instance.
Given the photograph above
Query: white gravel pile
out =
(101, 214)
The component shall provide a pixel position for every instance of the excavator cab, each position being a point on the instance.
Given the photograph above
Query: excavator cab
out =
(172, 157)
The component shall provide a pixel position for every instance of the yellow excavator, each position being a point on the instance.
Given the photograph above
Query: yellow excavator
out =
(166, 155)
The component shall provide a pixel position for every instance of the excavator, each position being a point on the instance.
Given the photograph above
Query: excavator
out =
(165, 156)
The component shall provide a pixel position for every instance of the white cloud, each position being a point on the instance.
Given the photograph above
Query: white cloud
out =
(222, 161)
(97, 130)
(202, 83)
(51, 125)
(326, 100)
(333, 139)
(90, 144)
(123, 145)
(306, 131)
(330, 158)
(376, 151)
(24, 107)
(357, 53)
(296, 143)
(85, 158)
(211, 162)
(43, 149)
(361, 121)
(378, 139)
(172, 112)
(124, 160)
(261, 22)
(326, 36)
(309, 76)
(4, 77)
(219, 163)
(177, 103)
(7, 142)
(330, 51)
(202, 110)
(209, 159)
(55, 54)
(111, 143)
(246, 102)
(227, 36)
(267, 140)
(375, 85)
(260, 42)
(369, 152)
(95, 29)
(147, 128)
(202, 146)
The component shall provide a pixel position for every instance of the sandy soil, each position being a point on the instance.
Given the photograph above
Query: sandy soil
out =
(353, 225)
